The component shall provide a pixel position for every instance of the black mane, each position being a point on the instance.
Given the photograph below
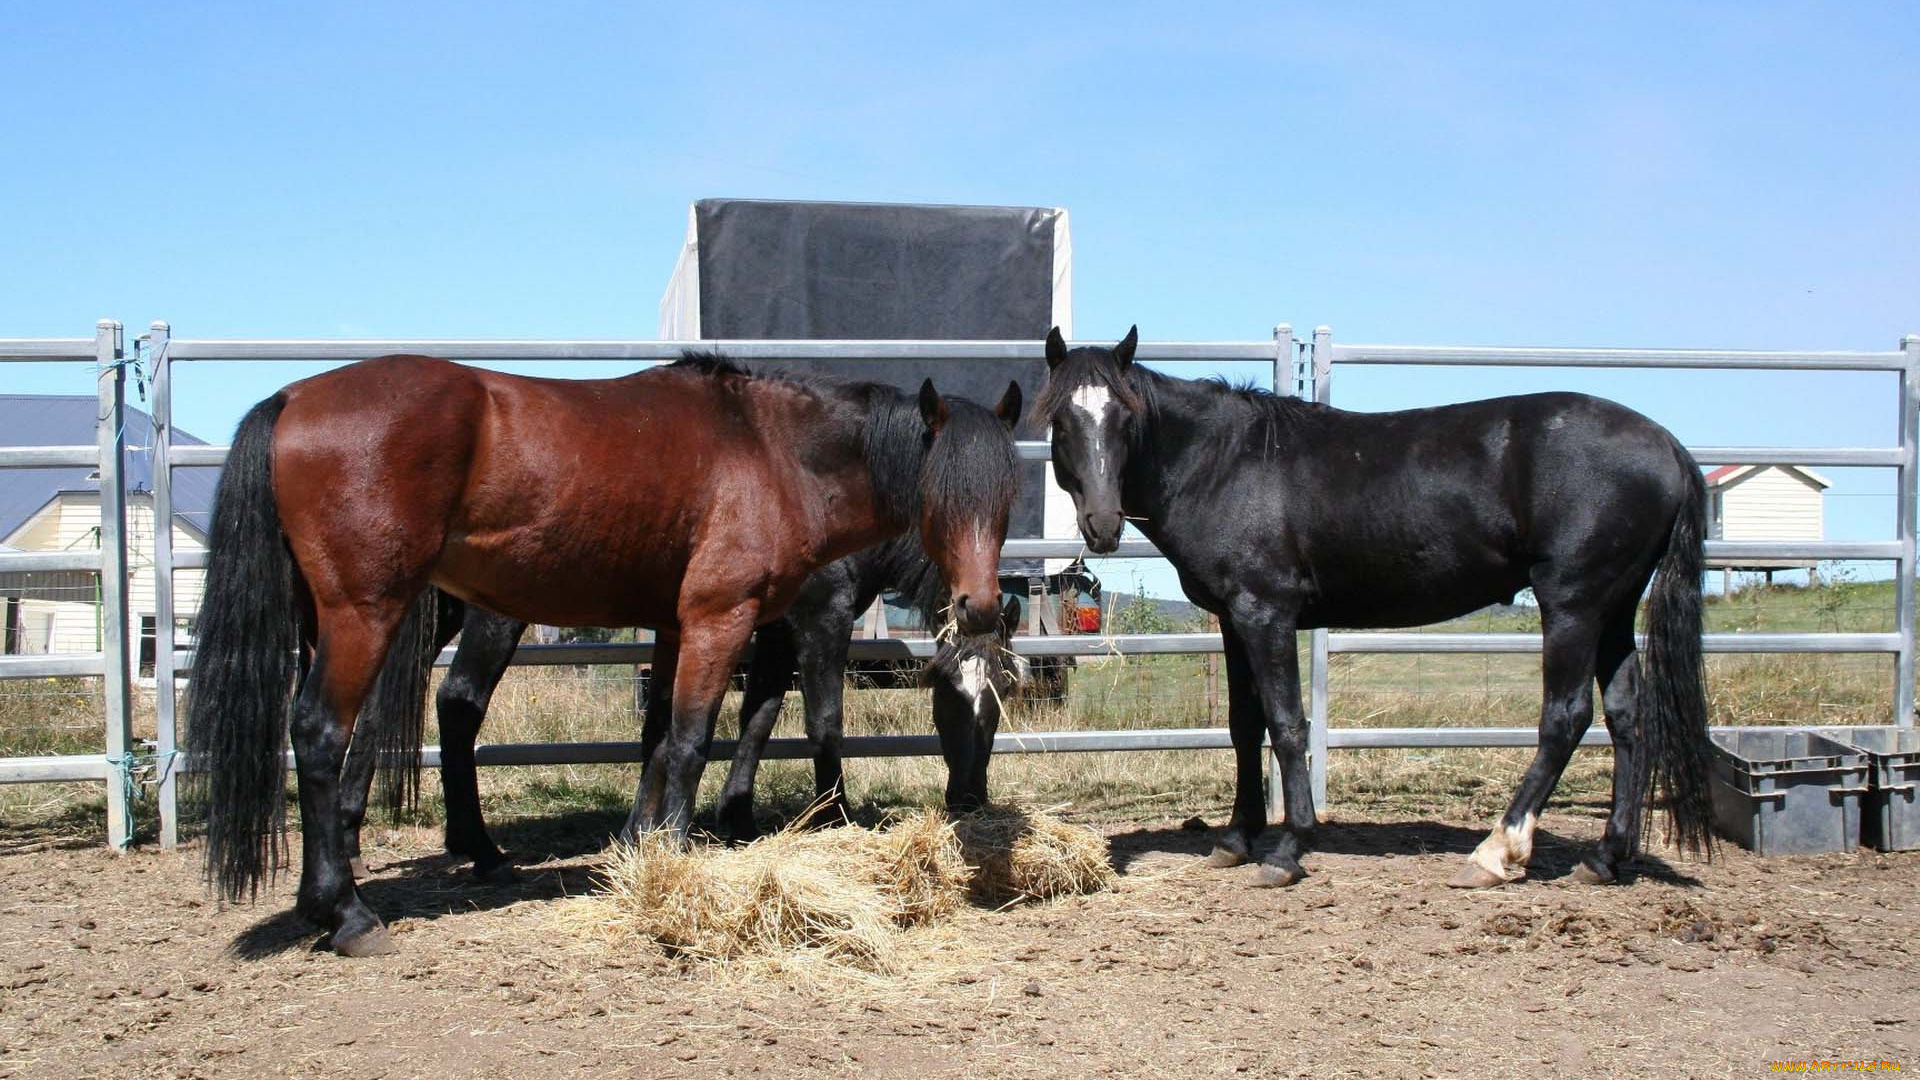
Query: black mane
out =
(977, 466)
(1244, 413)
(710, 362)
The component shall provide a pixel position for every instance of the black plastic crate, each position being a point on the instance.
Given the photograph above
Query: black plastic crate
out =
(1788, 791)
(1890, 816)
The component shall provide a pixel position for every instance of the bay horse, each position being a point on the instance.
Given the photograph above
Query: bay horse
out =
(971, 674)
(1282, 515)
(347, 494)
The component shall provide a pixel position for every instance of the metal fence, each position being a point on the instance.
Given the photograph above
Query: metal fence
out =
(1305, 367)
(106, 350)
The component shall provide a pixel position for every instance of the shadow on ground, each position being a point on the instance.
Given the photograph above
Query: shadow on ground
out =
(1554, 856)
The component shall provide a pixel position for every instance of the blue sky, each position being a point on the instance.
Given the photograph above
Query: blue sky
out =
(1738, 175)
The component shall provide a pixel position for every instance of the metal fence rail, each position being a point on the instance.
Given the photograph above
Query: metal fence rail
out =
(1315, 379)
(1903, 362)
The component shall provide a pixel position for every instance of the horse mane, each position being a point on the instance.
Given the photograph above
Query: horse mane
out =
(971, 470)
(1240, 411)
(976, 452)
(709, 362)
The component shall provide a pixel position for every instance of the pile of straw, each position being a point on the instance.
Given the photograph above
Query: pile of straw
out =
(1031, 855)
(840, 895)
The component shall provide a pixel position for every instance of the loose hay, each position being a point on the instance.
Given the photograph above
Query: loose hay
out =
(841, 895)
(1031, 855)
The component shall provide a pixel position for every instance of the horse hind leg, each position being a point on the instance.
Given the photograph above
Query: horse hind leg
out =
(767, 680)
(352, 644)
(1620, 683)
(390, 726)
(1566, 711)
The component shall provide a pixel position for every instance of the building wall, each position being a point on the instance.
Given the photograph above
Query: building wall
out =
(1771, 504)
(72, 524)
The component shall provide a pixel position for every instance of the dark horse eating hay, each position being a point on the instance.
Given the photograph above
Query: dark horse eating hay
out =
(1282, 515)
(346, 495)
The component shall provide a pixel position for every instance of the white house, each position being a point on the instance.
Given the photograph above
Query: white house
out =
(1765, 502)
(59, 510)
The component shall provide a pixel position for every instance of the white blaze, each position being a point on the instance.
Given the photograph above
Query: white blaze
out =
(1093, 399)
(973, 681)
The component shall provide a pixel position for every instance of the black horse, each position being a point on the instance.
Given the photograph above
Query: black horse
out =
(1282, 515)
(971, 675)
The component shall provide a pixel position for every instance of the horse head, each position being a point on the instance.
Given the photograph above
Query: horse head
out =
(1092, 410)
(967, 487)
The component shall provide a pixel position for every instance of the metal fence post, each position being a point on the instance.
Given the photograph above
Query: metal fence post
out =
(111, 432)
(1903, 665)
(1284, 382)
(164, 689)
(1318, 717)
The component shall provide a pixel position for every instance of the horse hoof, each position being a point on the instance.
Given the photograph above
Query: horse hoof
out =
(500, 873)
(359, 867)
(1277, 875)
(373, 941)
(1592, 873)
(1475, 876)
(1223, 858)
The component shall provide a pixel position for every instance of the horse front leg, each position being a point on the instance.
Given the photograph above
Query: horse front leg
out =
(1247, 723)
(710, 646)
(1273, 655)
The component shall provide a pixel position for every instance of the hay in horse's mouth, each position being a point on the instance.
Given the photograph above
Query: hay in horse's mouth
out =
(845, 896)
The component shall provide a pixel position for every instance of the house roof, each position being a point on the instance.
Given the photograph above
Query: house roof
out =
(1729, 474)
(68, 420)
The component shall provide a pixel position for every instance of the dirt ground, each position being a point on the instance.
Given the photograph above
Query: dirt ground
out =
(122, 966)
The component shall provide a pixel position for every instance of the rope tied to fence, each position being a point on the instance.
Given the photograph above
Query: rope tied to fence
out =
(137, 771)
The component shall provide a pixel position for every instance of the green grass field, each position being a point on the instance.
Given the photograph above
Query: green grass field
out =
(564, 704)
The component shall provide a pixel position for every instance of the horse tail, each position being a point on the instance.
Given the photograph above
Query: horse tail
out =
(395, 712)
(1676, 701)
(245, 660)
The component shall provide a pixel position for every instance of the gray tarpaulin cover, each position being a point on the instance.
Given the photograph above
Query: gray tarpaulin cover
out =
(759, 269)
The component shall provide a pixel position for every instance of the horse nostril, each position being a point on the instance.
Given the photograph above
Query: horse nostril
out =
(960, 607)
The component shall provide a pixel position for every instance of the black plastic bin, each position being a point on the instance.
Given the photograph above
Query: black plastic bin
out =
(1890, 816)
(1788, 791)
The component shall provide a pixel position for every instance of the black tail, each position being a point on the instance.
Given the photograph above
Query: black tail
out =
(243, 667)
(395, 712)
(1675, 703)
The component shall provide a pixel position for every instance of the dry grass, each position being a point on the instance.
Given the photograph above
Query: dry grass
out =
(802, 898)
(1021, 855)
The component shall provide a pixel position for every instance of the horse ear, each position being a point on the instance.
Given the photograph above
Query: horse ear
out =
(932, 409)
(1123, 352)
(1056, 348)
(1009, 408)
(1010, 616)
